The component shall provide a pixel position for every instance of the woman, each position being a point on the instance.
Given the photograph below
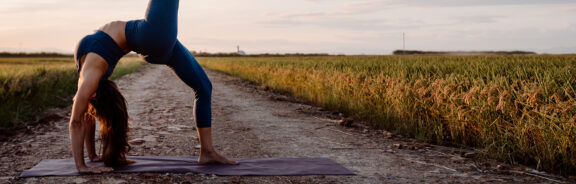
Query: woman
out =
(154, 38)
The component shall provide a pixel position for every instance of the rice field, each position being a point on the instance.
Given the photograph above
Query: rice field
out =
(519, 109)
(28, 86)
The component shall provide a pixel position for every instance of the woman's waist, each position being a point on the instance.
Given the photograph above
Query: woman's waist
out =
(115, 30)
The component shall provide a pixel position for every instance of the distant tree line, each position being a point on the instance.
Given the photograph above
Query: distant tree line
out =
(195, 53)
(234, 54)
(418, 52)
(34, 54)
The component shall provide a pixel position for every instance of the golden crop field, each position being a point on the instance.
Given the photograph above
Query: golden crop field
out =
(521, 109)
(30, 85)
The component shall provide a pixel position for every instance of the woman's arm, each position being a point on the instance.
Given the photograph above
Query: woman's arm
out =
(89, 131)
(92, 70)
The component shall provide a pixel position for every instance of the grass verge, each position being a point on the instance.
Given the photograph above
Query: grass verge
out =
(29, 86)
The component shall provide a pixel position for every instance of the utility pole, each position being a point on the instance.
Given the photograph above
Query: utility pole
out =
(403, 43)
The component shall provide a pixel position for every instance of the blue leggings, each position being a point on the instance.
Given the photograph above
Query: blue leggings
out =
(155, 39)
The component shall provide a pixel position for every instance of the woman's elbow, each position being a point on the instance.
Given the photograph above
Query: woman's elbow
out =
(75, 125)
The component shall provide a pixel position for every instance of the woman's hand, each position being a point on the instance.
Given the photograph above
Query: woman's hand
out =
(94, 170)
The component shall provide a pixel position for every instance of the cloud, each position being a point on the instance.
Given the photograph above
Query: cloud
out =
(357, 15)
(362, 8)
(380, 5)
(30, 7)
(480, 19)
(427, 3)
(341, 22)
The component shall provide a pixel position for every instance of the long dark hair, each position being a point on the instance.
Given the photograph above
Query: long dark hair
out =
(109, 106)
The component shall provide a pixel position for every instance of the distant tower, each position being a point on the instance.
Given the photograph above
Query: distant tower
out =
(240, 52)
(403, 43)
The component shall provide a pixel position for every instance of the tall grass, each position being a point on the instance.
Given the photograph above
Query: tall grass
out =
(520, 109)
(28, 86)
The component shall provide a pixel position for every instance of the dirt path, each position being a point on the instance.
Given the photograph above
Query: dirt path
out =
(250, 122)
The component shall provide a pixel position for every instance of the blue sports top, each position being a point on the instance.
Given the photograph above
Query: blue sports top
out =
(103, 45)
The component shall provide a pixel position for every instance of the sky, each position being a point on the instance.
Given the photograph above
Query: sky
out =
(308, 26)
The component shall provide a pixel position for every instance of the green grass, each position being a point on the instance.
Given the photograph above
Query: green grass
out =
(28, 86)
(520, 109)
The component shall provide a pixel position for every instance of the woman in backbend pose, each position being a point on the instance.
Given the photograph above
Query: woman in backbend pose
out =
(154, 38)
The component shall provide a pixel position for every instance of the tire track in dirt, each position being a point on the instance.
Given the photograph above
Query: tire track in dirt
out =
(253, 123)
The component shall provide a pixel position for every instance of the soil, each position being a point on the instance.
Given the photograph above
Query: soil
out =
(251, 122)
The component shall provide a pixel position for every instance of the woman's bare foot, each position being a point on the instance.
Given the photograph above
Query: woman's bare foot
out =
(213, 157)
(207, 153)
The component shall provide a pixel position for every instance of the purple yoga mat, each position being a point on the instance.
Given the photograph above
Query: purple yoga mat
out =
(186, 164)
